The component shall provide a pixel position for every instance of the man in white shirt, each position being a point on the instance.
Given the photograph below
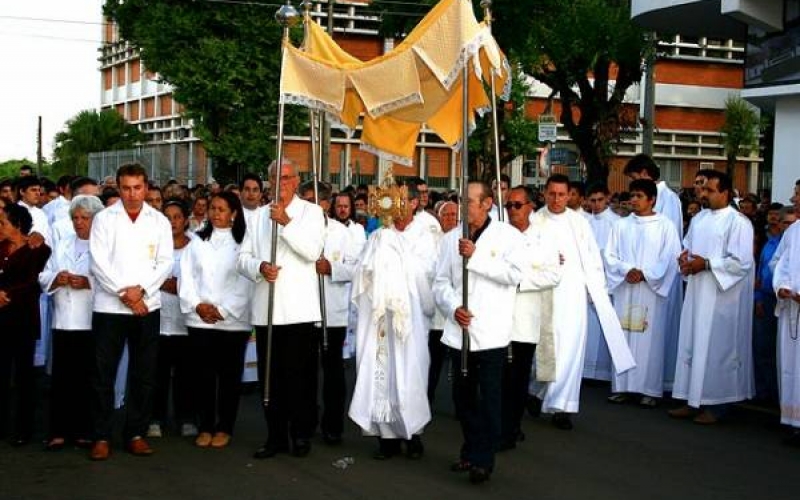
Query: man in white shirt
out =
(29, 190)
(59, 208)
(291, 412)
(131, 247)
(493, 279)
(250, 192)
(337, 264)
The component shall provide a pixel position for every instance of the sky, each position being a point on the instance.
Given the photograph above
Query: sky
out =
(48, 68)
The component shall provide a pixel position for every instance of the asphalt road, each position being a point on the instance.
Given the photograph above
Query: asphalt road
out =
(614, 452)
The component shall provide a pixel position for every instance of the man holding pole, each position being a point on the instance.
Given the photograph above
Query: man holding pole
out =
(291, 411)
(493, 278)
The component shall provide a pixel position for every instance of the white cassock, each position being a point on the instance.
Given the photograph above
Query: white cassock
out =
(669, 205)
(715, 362)
(392, 291)
(787, 275)
(650, 245)
(582, 272)
(597, 364)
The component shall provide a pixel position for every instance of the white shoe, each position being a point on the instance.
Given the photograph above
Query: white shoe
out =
(154, 431)
(188, 430)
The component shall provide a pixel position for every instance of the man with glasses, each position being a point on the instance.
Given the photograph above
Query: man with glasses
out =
(533, 300)
(421, 216)
(292, 410)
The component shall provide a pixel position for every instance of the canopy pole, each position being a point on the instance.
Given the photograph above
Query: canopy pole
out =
(464, 211)
(287, 16)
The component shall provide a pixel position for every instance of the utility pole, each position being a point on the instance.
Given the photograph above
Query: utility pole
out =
(325, 143)
(39, 159)
(649, 97)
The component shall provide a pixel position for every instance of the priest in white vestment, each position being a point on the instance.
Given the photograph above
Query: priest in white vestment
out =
(786, 282)
(641, 266)
(597, 364)
(582, 273)
(668, 204)
(715, 362)
(392, 293)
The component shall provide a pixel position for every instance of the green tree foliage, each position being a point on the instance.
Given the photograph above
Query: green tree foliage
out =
(91, 131)
(10, 168)
(741, 130)
(576, 47)
(223, 63)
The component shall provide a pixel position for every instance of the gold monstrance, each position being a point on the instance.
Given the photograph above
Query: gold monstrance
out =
(388, 201)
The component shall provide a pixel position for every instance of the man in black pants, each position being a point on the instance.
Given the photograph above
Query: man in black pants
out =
(131, 247)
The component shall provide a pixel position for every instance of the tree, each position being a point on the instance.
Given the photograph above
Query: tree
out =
(576, 47)
(741, 130)
(10, 168)
(91, 131)
(223, 63)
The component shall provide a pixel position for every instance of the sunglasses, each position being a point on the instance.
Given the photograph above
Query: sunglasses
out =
(516, 205)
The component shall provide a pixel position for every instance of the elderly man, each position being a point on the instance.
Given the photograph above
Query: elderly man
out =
(715, 363)
(292, 410)
(493, 278)
(131, 247)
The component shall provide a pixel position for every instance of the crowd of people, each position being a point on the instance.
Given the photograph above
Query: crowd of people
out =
(133, 293)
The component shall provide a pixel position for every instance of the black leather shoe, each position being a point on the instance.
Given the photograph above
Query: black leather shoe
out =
(461, 466)
(269, 450)
(562, 421)
(414, 448)
(301, 448)
(387, 448)
(331, 439)
(534, 406)
(478, 475)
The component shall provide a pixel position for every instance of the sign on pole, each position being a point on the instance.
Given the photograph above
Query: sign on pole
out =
(548, 128)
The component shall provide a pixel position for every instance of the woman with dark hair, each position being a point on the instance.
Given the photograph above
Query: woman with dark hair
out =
(66, 279)
(174, 351)
(20, 266)
(216, 300)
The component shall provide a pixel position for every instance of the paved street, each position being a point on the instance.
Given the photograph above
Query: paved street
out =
(614, 452)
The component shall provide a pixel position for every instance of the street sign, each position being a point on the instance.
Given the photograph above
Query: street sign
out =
(548, 128)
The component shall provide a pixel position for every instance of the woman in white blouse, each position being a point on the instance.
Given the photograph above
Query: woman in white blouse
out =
(66, 279)
(174, 352)
(216, 299)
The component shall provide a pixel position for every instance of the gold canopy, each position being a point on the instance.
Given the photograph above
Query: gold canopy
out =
(418, 82)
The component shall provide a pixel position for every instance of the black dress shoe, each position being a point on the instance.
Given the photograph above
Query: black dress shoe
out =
(18, 441)
(332, 439)
(387, 448)
(414, 448)
(461, 466)
(793, 440)
(562, 421)
(478, 475)
(534, 406)
(269, 450)
(301, 448)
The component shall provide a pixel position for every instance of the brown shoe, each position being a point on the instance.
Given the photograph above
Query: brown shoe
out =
(100, 451)
(682, 412)
(706, 418)
(139, 447)
(220, 440)
(203, 440)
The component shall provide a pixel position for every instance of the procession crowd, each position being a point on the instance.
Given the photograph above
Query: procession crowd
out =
(146, 298)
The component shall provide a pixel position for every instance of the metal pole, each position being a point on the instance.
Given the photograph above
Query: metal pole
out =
(487, 17)
(464, 204)
(287, 16)
(315, 173)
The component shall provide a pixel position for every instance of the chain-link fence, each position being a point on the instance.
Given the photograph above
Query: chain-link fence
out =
(183, 162)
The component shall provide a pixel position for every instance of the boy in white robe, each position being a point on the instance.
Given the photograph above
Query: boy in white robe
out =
(715, 362)
(641, 266)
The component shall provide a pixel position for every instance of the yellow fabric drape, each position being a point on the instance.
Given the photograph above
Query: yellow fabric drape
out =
(418, 82)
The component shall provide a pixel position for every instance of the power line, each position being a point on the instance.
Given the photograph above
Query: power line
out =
(51, 37)
(53, 20)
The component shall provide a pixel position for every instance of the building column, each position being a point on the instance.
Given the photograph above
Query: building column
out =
(786, 158)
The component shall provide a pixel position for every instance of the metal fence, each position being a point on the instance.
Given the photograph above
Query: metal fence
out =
(182, 162)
